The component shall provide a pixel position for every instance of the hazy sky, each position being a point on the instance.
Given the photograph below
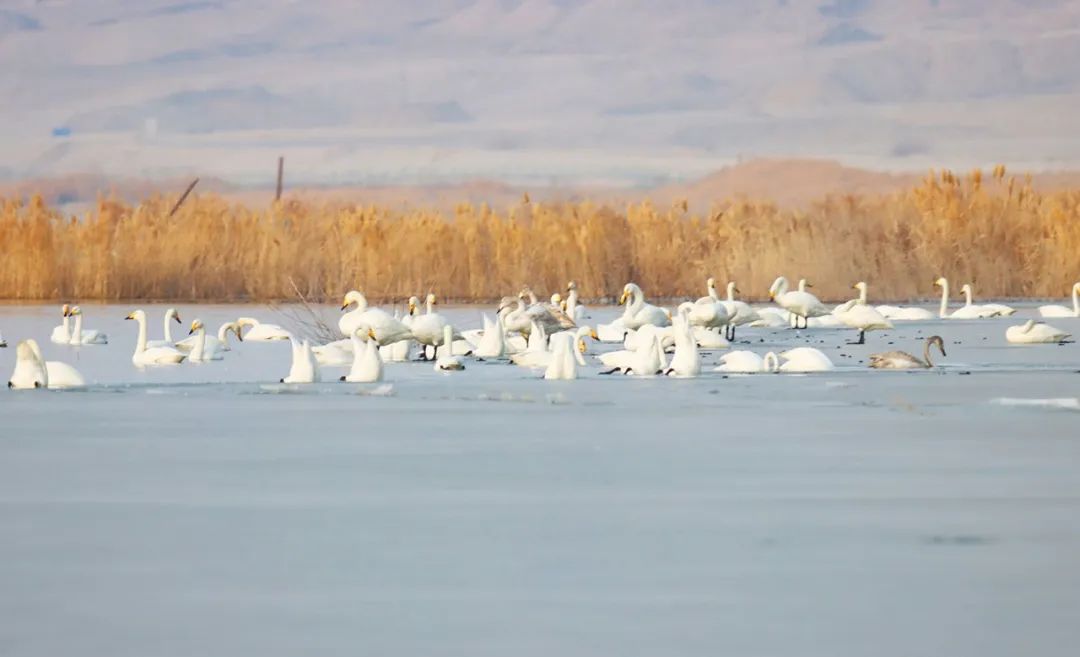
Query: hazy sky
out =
(532, 90)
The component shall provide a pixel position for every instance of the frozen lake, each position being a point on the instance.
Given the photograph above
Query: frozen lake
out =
(205, 510)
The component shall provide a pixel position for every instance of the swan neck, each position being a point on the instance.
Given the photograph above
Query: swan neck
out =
(140, 342)
(167, 328)
(200, 344)
(862, 295)
(926, 354)
(67, 325)
(77, 334)
(731, 291)
(943, 310)
(1076, 300)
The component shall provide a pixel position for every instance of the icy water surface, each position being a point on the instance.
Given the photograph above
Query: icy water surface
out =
(204, 509)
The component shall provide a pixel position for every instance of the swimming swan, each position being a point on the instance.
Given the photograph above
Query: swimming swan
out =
(58, 375)
(367, 365)
(259, 332)
(144, 355)
(901, 360)
(445, 360)
(805, 359)
(686, 363)
(80, 336)
(898, 313)
(1001, 309)
(1032, 332)
(747, 362)
(29, 371)
(211, 348)
(637, 312)
(170, 314)
(800, 304)
(388, 330)
(967, 311)
(566, 357)
(303, 368)
(62, 334)
(1062, 311)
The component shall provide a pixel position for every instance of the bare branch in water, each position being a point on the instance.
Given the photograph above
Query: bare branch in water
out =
(305, 320)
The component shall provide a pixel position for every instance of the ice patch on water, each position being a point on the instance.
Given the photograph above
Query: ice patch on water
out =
(385, 390)
(1066, 403)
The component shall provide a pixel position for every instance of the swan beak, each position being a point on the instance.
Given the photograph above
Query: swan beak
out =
(593, 335)
(371, 334)
(622, 299)
(809, 284)
(191, 330)
(738, 291)
(130, 316)
(239, 336)
(772, 296)
(344, 304)
(581, 346)
(177, 318)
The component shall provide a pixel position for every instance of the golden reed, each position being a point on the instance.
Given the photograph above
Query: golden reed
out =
(994, 231)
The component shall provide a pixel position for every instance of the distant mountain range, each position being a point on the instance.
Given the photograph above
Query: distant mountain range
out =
(789, 183)
(536, 92)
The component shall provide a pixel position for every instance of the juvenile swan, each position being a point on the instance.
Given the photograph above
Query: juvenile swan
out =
(901, 360)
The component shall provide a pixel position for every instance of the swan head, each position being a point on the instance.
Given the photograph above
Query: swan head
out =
(732, 289)
(778, 287)
(354, 296)
(196, 325)
(556, 299)
(966, 288)
(571, 286)
(941, 282)
(74, 311)
(66, 310)
(860, 286)
(430, 299)
(710, 283)
(629, 290)
(936, 340)
(371, 334)
(414, 304)
(137, 315)
(174, 315)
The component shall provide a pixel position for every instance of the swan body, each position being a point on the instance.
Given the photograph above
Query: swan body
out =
(771, 317)
(1032, 332)
(799, 303)
(637, 312)
(261, 332)
(81, 336)
(686, 363)
(367, 364)
(492, 343)
(901, 360)
(147, 355)
(62, 334)
(30, 371)
(60, 375)
(645, 359)
(171, 315)
(427, 329)
(388, 329)
(904, 313)
(566, 356)
(536, 353)
(862, 317)
(709, 339)
(805, 359)
(1000, 309)
(615, 331)
(706, 313)
(304, 368)
(747, 362)
(967, 311)
(574, 309)
(445, 361)
(338, 353)
(1063, 311)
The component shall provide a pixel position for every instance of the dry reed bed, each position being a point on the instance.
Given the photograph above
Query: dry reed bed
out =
(994, 231)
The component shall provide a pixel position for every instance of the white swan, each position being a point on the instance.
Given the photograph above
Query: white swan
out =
(574, 309)
(445, 360)
(367, 365)
(800, 303)
(747, 362)
(898, 313)
(214, 348)
(864, 318)
(1032, 332)
(427, 329)
(686, 363)
(304, 368)
(62, 334)
(566, 357)
(647, 358)
(1063, 311)
(146, 355)
(706, 312)
(29, 371)
(709, 339)
(805, 359)
(637, 312)
(58, 375)
(771, 317)
(739, 312)
(901, 360)
(260, 332)
(81, 336)
(967, 311)
(388, 330)
(1001, 309)
(492, 343)
(171, 315)
(614, 331)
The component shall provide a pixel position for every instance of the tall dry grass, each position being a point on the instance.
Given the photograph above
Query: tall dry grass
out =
(992, 230)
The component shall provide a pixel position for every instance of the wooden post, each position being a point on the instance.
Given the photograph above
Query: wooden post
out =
(183, 197)
(280, 176)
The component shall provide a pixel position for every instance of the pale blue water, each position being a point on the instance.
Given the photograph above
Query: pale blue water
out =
(203, 509)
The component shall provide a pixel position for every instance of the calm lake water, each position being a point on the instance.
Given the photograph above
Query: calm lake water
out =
(205, 509)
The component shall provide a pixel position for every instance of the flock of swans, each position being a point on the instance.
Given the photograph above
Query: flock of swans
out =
(550, 336)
